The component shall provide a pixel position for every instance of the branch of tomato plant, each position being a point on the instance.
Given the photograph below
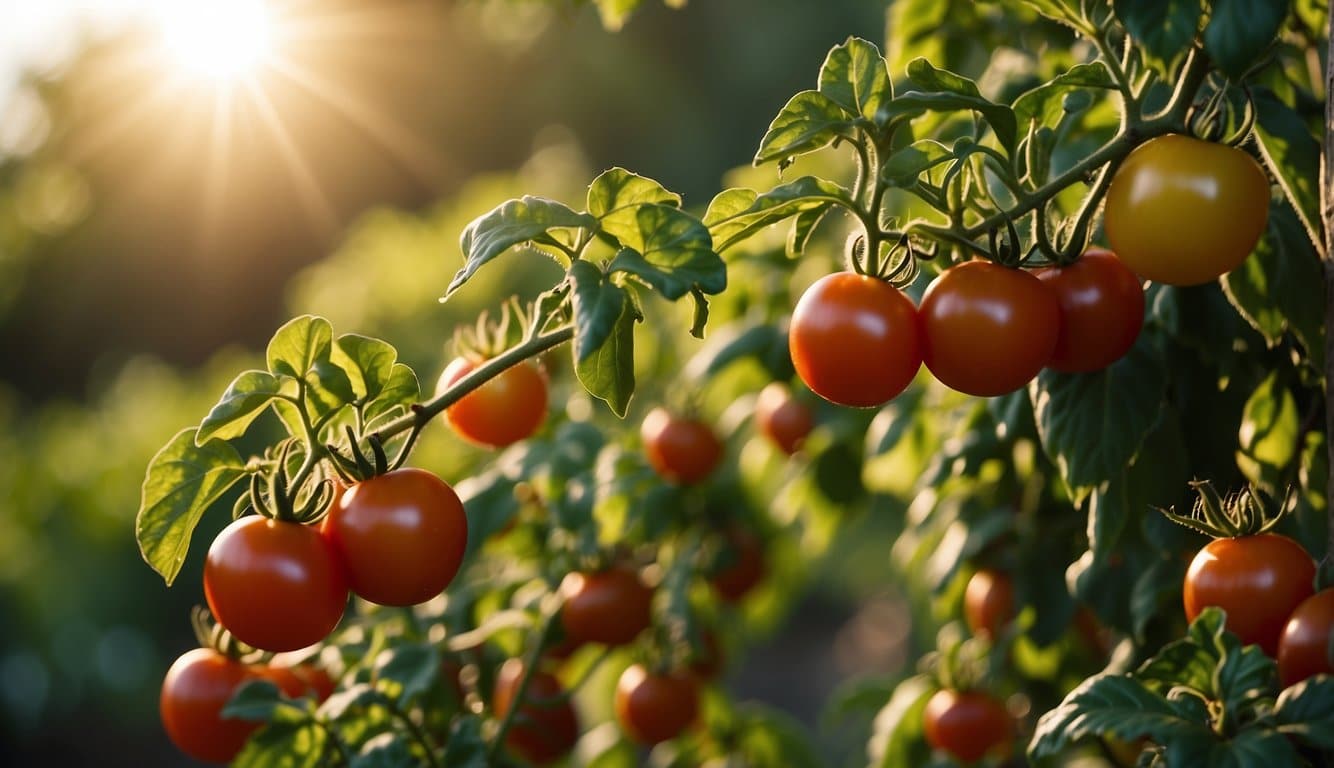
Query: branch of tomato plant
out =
(530, 662)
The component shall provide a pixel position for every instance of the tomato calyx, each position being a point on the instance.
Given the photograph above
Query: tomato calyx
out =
(276, 494)
(1248, 512)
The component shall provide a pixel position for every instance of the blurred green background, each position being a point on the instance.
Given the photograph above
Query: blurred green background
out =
(157, 223)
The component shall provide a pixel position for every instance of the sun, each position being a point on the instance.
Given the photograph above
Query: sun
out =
(222, 40)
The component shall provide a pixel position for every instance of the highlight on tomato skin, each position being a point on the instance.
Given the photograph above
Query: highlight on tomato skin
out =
(970, 725)
(1102, 311)
(506, 409)
(681, 449)
(782, 418)
(610, 607)
(653, 707)
(855, 340)
(1304, 646)
(194, 691)
(988, 603)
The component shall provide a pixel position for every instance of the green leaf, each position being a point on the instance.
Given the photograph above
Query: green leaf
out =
(1252, 748)
(466, 747)
(809, 121)
(328, 388)
(285, 745)
(400, 389)
(1185, 662)
(1093, 424)
(616, 194)
(769, 737)
(854, 76)
(608, 373)
(763, 341)
(896, 735)
(945, 91)
(1165, 28)
(598, 306)
(1066, 11)
(183, 480)
(803, 227)
(1108, 705)
(260, 701)
(1292, 154)
(1047, 103)
(513, 222)
(1239, 31)
(298, 345)
(1245, 678)
(1305, 711)
(405, 672)
(736, 214)
(671, 251)
(386, 750)
(368, 363)
(906, 164)
(1267, 440)
(245, 399)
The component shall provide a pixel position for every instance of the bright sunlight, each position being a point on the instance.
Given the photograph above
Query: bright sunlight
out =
(223, 40)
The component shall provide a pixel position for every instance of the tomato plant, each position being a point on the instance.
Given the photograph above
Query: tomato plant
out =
(195, 690)
(968, 724)
(274, 585)
(546, 727)
(611, 606)
(1304, 646)
(1102, 311)
(681, 449)
(986, 329)
(1183, 211)
(1257, 580)
(854, 340)
(654, 707)
(401, 536)
(506, 409)
(782, 418)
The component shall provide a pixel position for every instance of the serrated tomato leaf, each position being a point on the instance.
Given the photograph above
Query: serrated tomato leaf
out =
(298, 345)
(368, 363)
(183, 481)
(671, 251)
(939, 90)
(245, 399)
(1291, 152)
(616, 194)
(509, 224)
(854, 77)
(809, 121)
(1305, 711)
(1109, 705)
(1047, 103)
(736, 214)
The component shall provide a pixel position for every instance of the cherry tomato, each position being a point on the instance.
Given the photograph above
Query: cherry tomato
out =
(275, 585)
(1102, 311)
(546, 727)
(988, 329)
(504, 410)
(286, 678)
(782, 418)
(1183, 211)
(967, 724)
(1258, 580)
(742, 565)
(988, 603)
(401, 535)
(653, 708)
(1303, 648)
(855, 340)
(610, 607)
(197, 686)
(681, 450)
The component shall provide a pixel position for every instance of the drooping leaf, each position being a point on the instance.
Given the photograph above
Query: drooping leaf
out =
(1292, 154)
(598, 306)
(939, 90)
(1165, 28)
(245, 399)
(183, 480)
(906, 164)
(1267, 440)
(736, 214)
(1239, 31)
(516, 221)
(608, 372)
(1046, 103)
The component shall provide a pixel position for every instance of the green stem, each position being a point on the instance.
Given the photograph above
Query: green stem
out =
(530, 662)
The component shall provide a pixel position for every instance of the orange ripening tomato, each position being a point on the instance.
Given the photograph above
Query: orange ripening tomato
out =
(1183, 211)
(504, 410)
(1102, 311)
(1257, 580)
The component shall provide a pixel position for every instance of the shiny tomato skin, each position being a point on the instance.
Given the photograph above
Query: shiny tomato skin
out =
(546, 726)
(1183, 211)
(653, 708)
(743, 565)
(1258, 580)
(196, 688)
(967, 724)
(988, 603)
(681, 450)
(274, 585)
(988, 329)
(1102, 311)
(1303, 648)
(610, 607)
(782, 418)
(855, 340)
(401, 535)
(504, 410)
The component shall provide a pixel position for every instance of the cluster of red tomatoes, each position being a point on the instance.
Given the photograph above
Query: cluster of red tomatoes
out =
(981, 328)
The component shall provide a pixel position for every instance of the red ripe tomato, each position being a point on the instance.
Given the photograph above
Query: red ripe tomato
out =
(546, 727)
(402, 536)
(1183, 211)
(968, 724)
(782, 418)
(988, 329)
(855, 340)
(742, 565)
(1303, 648)
(681, 450)
(504, 410)
(288, 681)
(314, 680)
(653, 708)
(274, 585)
(1102, 311)
(1258, 580)
(610, 607)
(197, 686)
(988, 603)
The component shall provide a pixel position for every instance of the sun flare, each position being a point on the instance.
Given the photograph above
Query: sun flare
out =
(223, 40)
